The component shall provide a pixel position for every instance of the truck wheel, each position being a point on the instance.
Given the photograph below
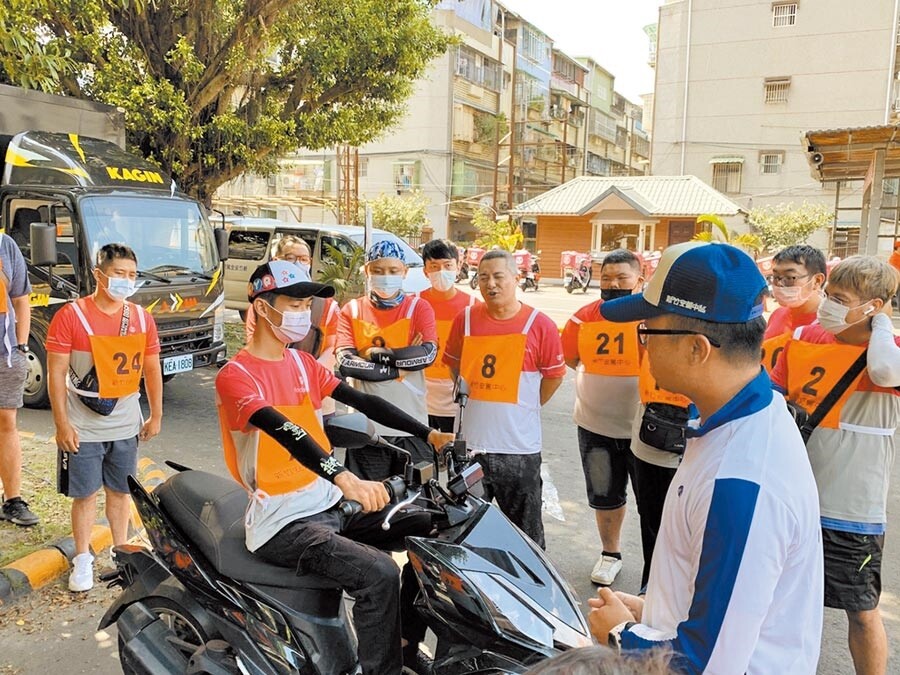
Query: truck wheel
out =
(36, 394)
(243, 314)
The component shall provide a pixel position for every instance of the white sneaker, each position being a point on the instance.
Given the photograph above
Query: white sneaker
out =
(606, 570)
(82, 577)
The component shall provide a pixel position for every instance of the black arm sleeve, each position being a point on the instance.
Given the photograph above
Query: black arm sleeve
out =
(351, 364)
(297, 442)
(415, 357)
(380, 410)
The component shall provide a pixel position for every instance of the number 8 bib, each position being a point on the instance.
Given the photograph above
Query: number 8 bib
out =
(492, 364)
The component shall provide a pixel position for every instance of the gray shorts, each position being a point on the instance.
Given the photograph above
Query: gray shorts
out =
(12, 380)
(96, 464)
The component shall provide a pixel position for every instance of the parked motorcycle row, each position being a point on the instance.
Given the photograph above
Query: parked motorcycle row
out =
(199, 602)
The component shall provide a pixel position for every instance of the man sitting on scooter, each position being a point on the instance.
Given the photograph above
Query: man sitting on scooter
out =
(296, 485)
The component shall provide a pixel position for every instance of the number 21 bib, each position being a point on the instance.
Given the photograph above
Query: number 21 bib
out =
(492, 364)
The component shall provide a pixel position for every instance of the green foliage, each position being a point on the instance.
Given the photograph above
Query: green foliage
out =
(404, 215)
(344, 272)
(488, 128)
(213, 88)
(749, 242)
(787, 224)
(502, 233)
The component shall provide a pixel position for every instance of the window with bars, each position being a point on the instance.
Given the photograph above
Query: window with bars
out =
(770, 162)
(776, 89)
(726, 176)
(784, 14)
(477, 69)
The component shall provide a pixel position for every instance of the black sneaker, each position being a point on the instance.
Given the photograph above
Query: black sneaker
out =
(16, 511)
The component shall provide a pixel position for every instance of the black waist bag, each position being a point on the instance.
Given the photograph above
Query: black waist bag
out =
(101, 406)
(663, 427)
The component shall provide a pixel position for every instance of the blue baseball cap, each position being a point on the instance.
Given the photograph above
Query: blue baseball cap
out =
(385, 249)
(713, 282)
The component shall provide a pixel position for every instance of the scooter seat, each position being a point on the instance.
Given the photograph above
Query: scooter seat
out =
(209, 510)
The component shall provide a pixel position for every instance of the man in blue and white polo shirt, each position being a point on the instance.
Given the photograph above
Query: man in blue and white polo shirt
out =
(736, 581)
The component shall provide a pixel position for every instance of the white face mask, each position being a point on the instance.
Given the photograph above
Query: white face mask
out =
(832, 315)
(792, 296)
(118, 288)
(385, 285)
(442, 280)
(294, 325)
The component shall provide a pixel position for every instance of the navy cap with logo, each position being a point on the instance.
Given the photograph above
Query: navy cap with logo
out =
(714, 282)
(285, 278)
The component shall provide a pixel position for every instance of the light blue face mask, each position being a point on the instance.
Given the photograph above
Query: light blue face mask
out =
(386, 290)
(119, 288)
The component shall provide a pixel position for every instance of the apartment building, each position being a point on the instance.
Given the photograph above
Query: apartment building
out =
(737, 83)
(501, 118)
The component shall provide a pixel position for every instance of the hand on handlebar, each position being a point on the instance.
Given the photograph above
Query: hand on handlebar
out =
(439, 439)
(371, 495)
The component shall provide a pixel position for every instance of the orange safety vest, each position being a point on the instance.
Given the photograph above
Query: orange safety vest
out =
(607, 348)
(4, 291)
(772, 349)
(650, 391)
(437, 370)
(277, 472)
(492, 364)
(813, 370)
(393, 336)
(118, 359)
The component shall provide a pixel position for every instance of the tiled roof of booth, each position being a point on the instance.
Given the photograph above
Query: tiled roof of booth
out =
(649, 195)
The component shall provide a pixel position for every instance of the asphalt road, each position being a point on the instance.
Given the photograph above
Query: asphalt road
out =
(58, 636)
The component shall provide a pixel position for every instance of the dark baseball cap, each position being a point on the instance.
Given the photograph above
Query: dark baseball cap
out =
(285, 278)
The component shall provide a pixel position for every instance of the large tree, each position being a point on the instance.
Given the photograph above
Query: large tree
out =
(213, 88)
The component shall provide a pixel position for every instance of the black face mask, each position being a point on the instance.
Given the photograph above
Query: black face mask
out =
(613, 293)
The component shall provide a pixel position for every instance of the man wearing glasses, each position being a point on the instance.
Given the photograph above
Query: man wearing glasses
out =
(736, 581)
(798, 275)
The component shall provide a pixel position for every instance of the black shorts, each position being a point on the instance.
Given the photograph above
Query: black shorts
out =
(607, 464)
(852, 570)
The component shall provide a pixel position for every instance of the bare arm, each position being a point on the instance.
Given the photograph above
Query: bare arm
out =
(57, 369)
(573, 362)
(549, 385)
(153, 384)
(22, 308)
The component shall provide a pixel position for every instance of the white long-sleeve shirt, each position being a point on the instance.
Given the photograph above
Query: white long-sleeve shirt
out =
(736, 583)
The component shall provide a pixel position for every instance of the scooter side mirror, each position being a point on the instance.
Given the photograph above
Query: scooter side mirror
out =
(354, 430)
(461, 391)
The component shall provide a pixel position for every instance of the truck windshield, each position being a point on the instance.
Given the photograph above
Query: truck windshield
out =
(167, 234)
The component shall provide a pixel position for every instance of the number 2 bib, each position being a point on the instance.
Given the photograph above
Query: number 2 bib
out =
(813, 370)
(118, 359)
(492, 364)
(607, 348)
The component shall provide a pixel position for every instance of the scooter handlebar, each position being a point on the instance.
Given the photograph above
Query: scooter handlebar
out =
(395, 486)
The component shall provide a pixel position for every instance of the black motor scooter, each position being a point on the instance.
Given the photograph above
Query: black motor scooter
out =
(199, 602)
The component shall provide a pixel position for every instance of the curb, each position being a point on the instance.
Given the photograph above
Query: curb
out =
(37, 569)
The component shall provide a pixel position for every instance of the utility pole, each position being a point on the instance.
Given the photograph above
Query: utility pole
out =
(348, 184)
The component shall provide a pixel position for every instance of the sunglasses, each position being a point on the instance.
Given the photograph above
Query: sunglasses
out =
(643, 332)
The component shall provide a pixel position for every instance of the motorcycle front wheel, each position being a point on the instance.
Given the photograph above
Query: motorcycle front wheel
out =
(191, 635)
(473, 283)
